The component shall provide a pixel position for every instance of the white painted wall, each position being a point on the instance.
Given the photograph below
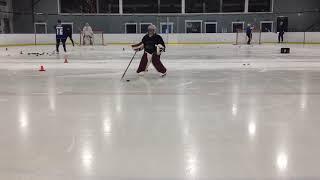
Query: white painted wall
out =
(294, 37)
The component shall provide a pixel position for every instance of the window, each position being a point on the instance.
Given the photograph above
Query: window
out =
(131, 28)
(210, 27)
(266, 26)
(68, 25)
(40, 28)
(233, 5)
(78, 6)
(166, 28)
(193, 26)
(284, 21)
(108, 6)
(259, 5)
(202, 6)
(6, 25)
(140, 6)
(170, 6)
(237, 27)
(151, 6)
(144, 27)
(3, 2)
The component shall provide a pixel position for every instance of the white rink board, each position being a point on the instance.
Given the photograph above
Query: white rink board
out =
(291, 37)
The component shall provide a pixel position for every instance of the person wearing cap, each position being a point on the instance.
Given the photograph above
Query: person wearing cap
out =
(153, 45)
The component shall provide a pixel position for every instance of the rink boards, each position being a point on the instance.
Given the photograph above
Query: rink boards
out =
(218, 38)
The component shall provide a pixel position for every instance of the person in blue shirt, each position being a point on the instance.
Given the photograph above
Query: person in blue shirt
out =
(249, 33)
(61, 36)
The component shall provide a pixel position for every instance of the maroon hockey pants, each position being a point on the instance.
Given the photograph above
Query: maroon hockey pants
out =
(155, 61)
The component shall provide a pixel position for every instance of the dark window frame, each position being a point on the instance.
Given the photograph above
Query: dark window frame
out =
(39, 24)
(254, 8)
(229, 5)
(3, 3)
(114, 9)
(205, 6)
(131, 23)
(237, 22)
(193, 21)
(83, 8)
(143, 24)
(165, 24)
(210, 23)
(266, 22)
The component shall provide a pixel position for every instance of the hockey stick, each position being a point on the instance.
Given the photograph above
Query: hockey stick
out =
(129, 65)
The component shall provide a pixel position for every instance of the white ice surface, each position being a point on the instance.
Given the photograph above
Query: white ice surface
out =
(180, 57)
(212, 117)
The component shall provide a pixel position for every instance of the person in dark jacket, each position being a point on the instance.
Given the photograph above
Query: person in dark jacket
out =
(281, 32)
(249, 33)
(153, 45)
(68, 30)
(60, 36)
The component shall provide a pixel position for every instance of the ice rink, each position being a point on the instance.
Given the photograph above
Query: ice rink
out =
(223, 112)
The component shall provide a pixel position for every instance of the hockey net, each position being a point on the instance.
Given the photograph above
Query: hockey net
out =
(241, 37)
(97, 40)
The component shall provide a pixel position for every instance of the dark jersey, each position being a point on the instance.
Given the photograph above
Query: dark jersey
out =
(68, 30)
(60, 32)
(281, 28)
(249, 30)
(150, 43)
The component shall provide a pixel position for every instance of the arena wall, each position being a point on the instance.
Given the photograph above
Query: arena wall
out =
(47, 11)
(219, 38)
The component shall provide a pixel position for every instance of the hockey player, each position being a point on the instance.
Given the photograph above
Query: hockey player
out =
(249, 33)
(60, 36)
(69, 33)
(281, 32)
(87, 35)
(153, 46)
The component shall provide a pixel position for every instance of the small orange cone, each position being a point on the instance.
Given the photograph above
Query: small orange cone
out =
(66, 60)
(42, 68)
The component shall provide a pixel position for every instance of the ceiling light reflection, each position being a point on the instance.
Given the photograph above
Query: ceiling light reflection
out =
(87, 159)
(23, 115)
(252, 129)
(282, 161)
(23, 120)
(234, 109)
(191, 166)
(107, 126)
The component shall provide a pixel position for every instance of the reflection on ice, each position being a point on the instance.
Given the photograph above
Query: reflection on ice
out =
(23, 119)
(87, 159)
(107, 126)
(234, 109)
(252, 129)
(282, 161)
(23, 114)
(52, 94)
(191, 167)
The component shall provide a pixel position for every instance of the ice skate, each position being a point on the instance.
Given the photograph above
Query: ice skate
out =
(163, 75)
(141, 73)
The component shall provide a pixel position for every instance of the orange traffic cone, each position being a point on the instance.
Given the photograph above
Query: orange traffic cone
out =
(42, 68)
(66, 60)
